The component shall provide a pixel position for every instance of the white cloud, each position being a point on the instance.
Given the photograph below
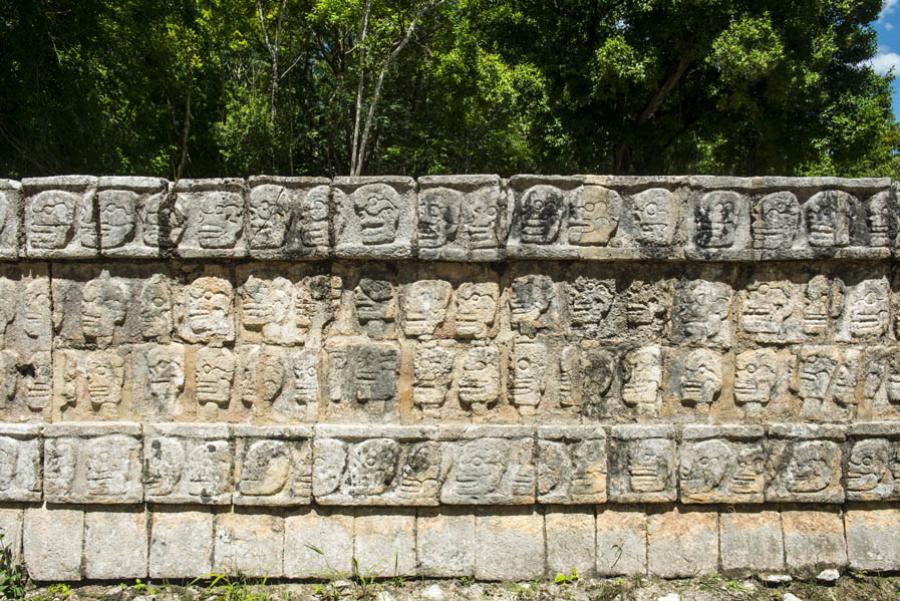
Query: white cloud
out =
(888, 26)
(887, 8)
(883, 62)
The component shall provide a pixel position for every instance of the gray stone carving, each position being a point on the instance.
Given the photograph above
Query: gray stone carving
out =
(54, 208)
(188, 463)
(804, 464)
(424, 307)
(288, 217)
(642, 464)
(374, 217)
(700, 313)
(722, 464)
(20, 463)
(460, 218)
(776, 221)
(489, 465)
(273, 465)
(204, 311)
(213, 213)
(571, 465)
(10, 209)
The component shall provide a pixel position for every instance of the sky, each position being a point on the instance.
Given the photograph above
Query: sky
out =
(888, 57)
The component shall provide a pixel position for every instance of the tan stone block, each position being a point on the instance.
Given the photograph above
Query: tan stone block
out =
(385, 543)
(249, 544)
(318, 543)
(683, 542)
(52, 543)
(11, 531)
(445, 542)
(751, 540)
(509, 544)
(813, 538)
(115, 544)
(571, 544)
(873, 538)
(621, 542)
(181, 542)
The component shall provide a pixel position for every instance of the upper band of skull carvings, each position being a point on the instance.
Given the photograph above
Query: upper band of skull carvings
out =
(450, 218)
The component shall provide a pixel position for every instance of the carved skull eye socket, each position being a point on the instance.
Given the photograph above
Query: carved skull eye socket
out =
(751, 369)
(704, 462)
(477, 461)
(523, 364)
(651, 209)
(867, 461)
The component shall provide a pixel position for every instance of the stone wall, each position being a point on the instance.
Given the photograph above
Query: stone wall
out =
(455, 376)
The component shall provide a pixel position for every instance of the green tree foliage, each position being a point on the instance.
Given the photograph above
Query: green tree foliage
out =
(213, 87)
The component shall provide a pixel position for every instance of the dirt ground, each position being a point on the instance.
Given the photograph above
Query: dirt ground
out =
(712, 588)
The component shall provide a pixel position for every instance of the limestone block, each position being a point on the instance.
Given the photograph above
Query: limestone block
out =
(318, 543)
(92, 463)
(718, 225)
(649, 218)
(20, 463)
(695, 378)
(58, 213)
(274, 465)
(181, 542)
(509, 545)
(772, 309)
(461, 218)
(188, 463)
(478, 379)
(534, 304)
(865, 314)
(700, 313)
(529, 376)
(571, 541)
(751, 540)
(826, 382)
(873, 539)
(642, 464)
(474, 309)
(91, 384)
(25, 308)
(722, 464)
(53, 540)
(423, 307)
(445, 543)
(204, 310)
(156, 295)
(621, 541)
(277, 383)
(362, 376)
(642, 379)
(761, 377)
(571, 465)
(287, 217)
(682, 542)
(488, 465)
(434, 368)
(249, 544)
(375, 303)
(873, 462)
(804, 463)
(881, 386)
(590, 306)
(10, 209)
(813, 538)
(586, 380)
(212, 213)
(376, 465)
(93, 304)
(385, 543)
(827, 216)
(115, 544)
(132, 214)
(374, 216)
(11, 531)
(285, 305)
(158, 381)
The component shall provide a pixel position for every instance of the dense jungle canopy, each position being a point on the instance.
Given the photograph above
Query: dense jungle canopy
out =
(192, 88)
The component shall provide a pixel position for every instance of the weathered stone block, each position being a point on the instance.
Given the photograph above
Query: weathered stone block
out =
(318, 543)
(53, 541)
(571, 465)
(20, 462)
(813, 538)
(751, 540)
(188, 463)
(621, 541)
(570, 540)
(461, 218)
(274, 465)
(804, 463)
(445, 543)
(377, 465)
(682, 542)
(650, 218)
(287, 217)
(115, 544)
(509, 545)
(131, 211)
(10, 207)
(873, 538)
(181, 542)
(374, 216)
(11, 531)
(91, 385)
(204, 313)
(488, 465)
(385, 543)
(718, 225)
(58, 213)
(642, 464)
(722, 464)
(92, 463)
(548, 216)
(873, 462)
(211, 215)
(249, 544)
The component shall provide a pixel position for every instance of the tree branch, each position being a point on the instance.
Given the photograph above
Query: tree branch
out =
(664, 90)
(354, 148)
